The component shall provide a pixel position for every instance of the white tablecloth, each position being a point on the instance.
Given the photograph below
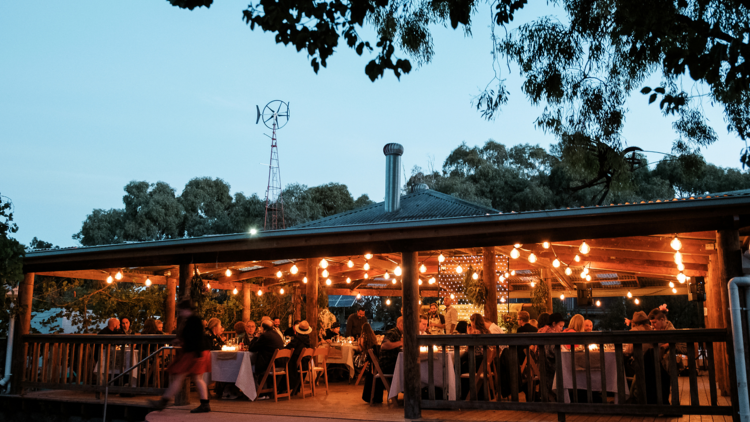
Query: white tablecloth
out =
(347, 358)
(397, 382)
(238, 371)
(610, 364)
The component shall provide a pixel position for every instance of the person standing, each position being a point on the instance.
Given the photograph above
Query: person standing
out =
(451, 316)
(437, 321)
(355, 322)
(193, 359)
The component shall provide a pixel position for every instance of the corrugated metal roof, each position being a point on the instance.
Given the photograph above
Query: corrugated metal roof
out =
(421, 205)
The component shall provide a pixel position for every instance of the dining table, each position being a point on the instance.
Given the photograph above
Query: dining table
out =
(347, 356)
(235, 367)
(610, 366)
(397, 383)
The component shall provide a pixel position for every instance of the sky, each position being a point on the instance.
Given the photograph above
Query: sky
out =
(96, 94)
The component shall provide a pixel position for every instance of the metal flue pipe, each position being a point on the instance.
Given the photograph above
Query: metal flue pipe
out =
(393, 154)
(739, 348)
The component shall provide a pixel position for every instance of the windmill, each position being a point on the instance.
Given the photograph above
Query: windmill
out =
(275, 115)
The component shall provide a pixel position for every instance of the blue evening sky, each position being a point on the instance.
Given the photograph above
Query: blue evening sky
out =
(94, 94)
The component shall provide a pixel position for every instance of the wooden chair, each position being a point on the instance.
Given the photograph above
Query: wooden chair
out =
(320, 354)
(481, 377)
(275, 372)
(362, 372)
(535, 377)
(378, 374)
(306, 353)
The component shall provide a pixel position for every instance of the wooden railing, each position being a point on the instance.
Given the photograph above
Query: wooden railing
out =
(585, 365)
(85, 362)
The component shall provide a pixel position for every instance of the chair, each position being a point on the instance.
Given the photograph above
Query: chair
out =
(490, 376)
(306, 353)
(535, 377)
(362, 372)
(378, 374)
(320, 354)
(275, 372)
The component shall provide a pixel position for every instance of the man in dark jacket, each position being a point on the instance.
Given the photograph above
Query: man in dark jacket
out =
(265, 346)
(113, 327)
(355, 322)
(300, 341)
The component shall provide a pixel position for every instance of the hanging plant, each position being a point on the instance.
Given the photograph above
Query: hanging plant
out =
(475, 290)
(198, 293)
(539, 297)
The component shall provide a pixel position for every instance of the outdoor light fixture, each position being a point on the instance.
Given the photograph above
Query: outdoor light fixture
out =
(674, 290)
(532, 258)
(281, 291)
(637, 301)
(328, 282)
(453, 296)
(367, 276)
(394, 281)
(386, 275)
(475, 276)
(324, 273)
(681, 267)
(368, 255)
(598, 303)
(502, 299)
(350, 264)
(323, 263)
(387, 301)
(514, 253)
(208, 286)
(517, 245)
(348, 280)
(279, 274)
(584, 248)
(533, 284)
(568, 271)
(397, 271)
(545, 245)
(562, 296)
(260, 292)
(501, 278)
(671, 285)
(677, 257)
(629, 294)
(109, 279)
(420, 281)
(681, 277)
(431, 280)
(304, 280)
(422, 269)
(359, 296)
(459, 269)
(577, 258)
(234, 292)
(118, 276)
(513, 272)
(583, 273)
(588, 277)
(366, 266)
(294, 269)
(507, 274)
(253, 231)
(148, 281)
(556, 263)
(676, 244)
(228, 272)
(441, 258)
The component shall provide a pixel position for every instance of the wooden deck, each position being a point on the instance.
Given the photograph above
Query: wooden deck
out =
(344, 403)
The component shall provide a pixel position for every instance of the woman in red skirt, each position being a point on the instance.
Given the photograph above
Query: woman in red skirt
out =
(194, 359)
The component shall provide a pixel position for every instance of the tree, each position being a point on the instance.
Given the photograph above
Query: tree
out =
(581, 66)
(152, 212)
(207, 203)
(11, 260)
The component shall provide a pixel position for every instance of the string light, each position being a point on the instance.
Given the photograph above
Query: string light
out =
(279, 274)
(260, 292)
(584, 248)
(532, 258)
(502, 278)
(323, 263)
(545, 245)
(148, 281)
(507, 274)
(228, 272)
(304, 280)
(359, 296)
(368, 255)
(328, 282)
(253, 231)
(386, 275)
(517, 245)
(514, 253)
(577, 258)
(598, 303)
(294, 269)
(431, 280)
(681, 267)
(556, 263)
(459, 270)
(674, 290)
(397, 271)
(366, 266)
(676, 244)
(350, 264)
(367, 276)
(513, 272)
(475, 276)
(324, 273)
(629, 294)
(502, 299)
(234, 292)
(441, 258)
(671, 285)
(109, 279)
(281, 291)
(681, 277)
(533, 284)
(562, 296)
(637, 301)
(118, 276)
(453, 296)
(588, 277)
(568, 271)
(677, 257)
(348, 280)
(394, 281)
(420, 281)
(387, 301)
(583, 274)
(422, 269)
(208, 286)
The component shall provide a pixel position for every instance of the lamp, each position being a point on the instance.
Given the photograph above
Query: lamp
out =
(577, 258)
(422, 269)
(328, 282)
(234, 292)
(397, 271)
(584, 248)
(556, 263)
(323, 263)
(324, 273)
(459, 270)
(532, 258)
(279, 274)
(568, 271)
(304, 280)
(350, 264)
(514, 253)
(109, 279)
(475, 276)
(148, 281)
(294, 269)
(228, 272)
(545, 245)
(118, 276)
(368, 255)
(676, 244)
(260, 292)
(348, 280)
(253, 231)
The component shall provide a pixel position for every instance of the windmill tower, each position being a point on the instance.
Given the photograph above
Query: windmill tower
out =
(275, 115)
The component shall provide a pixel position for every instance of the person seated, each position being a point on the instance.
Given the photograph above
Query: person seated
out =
(640, 322)
(462, 327)
(524, 326)
(301, 340)
(389, 350)
(289, 332)
(273, 326)
(424, 322)
(113, 327)
(239, 329)
(574, 326)
(213, 333)
(588, 326)
(160, 326)
(150, 327)
(265, 346)
(251, 333)
(125, 325)
(332, 333)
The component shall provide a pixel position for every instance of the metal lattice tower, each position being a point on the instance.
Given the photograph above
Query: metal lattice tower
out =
(275, 116)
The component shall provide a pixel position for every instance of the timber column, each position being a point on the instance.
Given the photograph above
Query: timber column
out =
(297, 302)
(247, 295)
(547, 282)
(730, 266)
(182, 398)
(489, 276)
(312, 299)
(169, 305)
(22, 327)
(716, 320)
(410, 296)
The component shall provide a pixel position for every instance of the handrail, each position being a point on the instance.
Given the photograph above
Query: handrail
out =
(106, 386)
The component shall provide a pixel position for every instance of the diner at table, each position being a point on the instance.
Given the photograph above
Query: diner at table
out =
(300, 341)
(265, 346)
(389, 351)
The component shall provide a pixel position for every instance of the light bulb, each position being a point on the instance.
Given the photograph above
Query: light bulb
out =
(431, 280)
(253, 231)
(502, 299)
(281, 291)
(501, 278)
(584, 248)
(323, 263)
(208, 286)
(677, 257)
(583, 274)
(294, 269)
(348, 280)
(681, 277)
(568, 271)
(228, 272)
(260, 292)
(324, 273)
(629, 295)
(397, 271)
(386, 275)
(514, 253)
(588, 277)
(681, 267)
(637, 301)
(387, 301)
(279, 274)
(420, 281)
(234, 292)
(453, 296)
(577, 258)
(674, 290)
(422, 269)
(507, 274)
(676, 244)
(109, 279)
(368, 256)
(513, 272)
(148, 281)
(304, 280)
(532, 258)
(562, 296)
(533, 284)
(556, 263)
(350, 264)
(517, 245)
(545, 245)
(459, 270)
(366, 266)
(118, 276)
(441, 258)
(367, 276)
(359, 296)
(598, 303)
(328, 282)
(475, 276)
(671, 285)
(394, 281)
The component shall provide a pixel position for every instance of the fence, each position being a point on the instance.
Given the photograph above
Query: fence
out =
(85, 362)
(555, 372)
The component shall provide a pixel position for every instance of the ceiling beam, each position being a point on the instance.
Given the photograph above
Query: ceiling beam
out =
(645, 243)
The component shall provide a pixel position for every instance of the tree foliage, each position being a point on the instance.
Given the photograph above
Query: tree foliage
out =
(11, 260)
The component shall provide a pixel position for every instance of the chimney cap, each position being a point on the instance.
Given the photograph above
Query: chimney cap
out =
(393, 149)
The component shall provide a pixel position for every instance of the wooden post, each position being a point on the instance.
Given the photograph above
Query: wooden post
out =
(312, 299)
(186, 273)
(548, 282)
(716, 320)
(297, 302)
(22, 327)
(169, 306)
(730, 265)
(247, 300)
(489, 276)
(410, 296)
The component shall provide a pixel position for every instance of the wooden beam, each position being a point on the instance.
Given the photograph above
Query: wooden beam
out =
(541, 262)
(22, 327)
(378, 292)
(602, 258)
(169, 306)
(98, 275)
(641, 270)
(644, 243)
(247, 300)
(489, 277)
(730, 265)
(668, 256)
(311, 314)
(412, 377)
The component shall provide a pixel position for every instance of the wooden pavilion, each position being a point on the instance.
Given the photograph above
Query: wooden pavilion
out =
(414, 250)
